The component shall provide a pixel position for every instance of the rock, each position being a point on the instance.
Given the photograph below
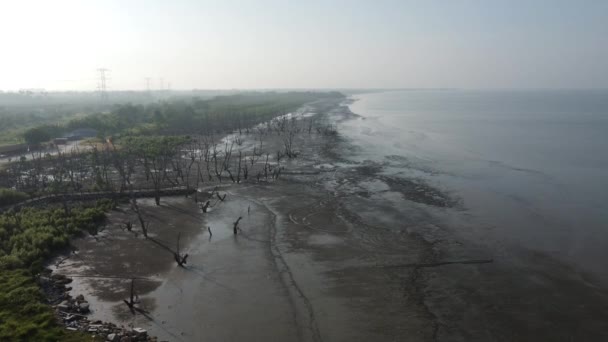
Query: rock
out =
(126, 339)
(80, 298)
(63, 305)
(64, 281)
(57, 276)
(112, 337)
(140, 331)
(84, 307)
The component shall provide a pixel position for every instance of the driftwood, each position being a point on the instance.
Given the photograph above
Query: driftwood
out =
(221, 198)
(205, 207)
(441, 263)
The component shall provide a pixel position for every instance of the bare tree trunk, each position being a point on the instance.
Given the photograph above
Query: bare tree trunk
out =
(181, 260)
(236, 225)
(137, 211)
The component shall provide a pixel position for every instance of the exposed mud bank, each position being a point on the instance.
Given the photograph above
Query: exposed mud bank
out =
(333, 250)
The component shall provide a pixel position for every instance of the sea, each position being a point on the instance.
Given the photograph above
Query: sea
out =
(529, 168)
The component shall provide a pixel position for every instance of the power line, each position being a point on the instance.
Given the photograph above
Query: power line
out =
(101, 85)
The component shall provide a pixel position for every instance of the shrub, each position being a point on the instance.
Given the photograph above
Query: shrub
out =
(10, 196)
(26, 238)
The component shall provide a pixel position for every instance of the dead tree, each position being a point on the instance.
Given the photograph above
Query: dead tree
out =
(155, 163)
(221, 198)
(238, 175)
(199, 173)
(140, 217)
(236, 225)
(207, 158)
(226, 162)
(266, 167)
(205, 207)
(254, 156)
(133, 299)
(123, 162)
(288, 143)
(180, 259)
(218, 171)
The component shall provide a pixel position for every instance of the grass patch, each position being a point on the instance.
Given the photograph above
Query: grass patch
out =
(28, 237)
(24, 316)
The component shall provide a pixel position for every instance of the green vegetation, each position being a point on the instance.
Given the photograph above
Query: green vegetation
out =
(19, 113)
(218, 114)
(30, 235)
(16, 119)
(9, 196)
(40, 134)
(23, 316)
(27, 237)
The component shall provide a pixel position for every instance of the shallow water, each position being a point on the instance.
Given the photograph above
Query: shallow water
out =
(529, 167)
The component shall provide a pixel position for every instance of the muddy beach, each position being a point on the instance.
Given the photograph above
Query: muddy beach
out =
(333, 250)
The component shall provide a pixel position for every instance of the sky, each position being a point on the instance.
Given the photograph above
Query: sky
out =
(224, 44)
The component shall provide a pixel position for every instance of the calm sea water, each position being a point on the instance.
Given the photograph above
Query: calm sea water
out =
(531, 167)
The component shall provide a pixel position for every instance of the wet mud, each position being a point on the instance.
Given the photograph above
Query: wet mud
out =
(334, 250)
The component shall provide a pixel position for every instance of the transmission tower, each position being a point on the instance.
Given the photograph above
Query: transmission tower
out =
(101, 85)
(148, 84)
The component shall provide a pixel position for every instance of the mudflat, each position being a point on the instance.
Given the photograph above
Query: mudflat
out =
(332, 250)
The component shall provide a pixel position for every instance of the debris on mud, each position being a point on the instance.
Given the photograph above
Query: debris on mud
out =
(72, 312)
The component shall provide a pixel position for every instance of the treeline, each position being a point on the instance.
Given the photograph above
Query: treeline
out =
(220, 114)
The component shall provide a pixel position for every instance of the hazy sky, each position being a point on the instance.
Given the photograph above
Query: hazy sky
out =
(56, 44)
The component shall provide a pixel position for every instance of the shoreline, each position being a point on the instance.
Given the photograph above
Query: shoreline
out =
(315, 262)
